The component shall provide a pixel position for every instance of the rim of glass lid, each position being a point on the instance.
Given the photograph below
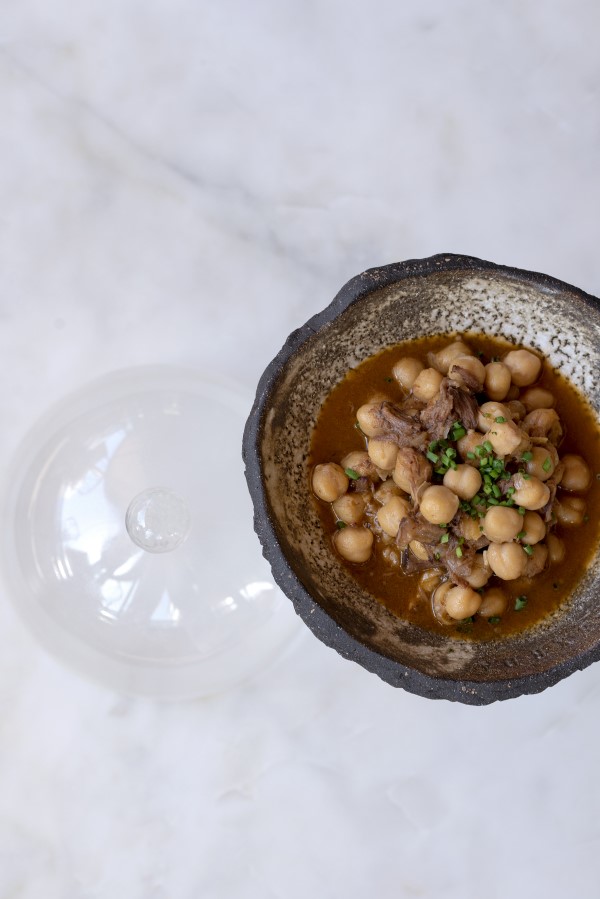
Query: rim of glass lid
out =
(178, 644)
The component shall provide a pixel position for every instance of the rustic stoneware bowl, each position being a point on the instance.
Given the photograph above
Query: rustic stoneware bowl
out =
(380, 307)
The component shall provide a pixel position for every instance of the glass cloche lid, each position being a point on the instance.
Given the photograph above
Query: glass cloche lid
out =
(129, 548)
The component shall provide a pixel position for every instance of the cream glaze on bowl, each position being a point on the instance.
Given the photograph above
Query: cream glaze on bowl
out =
(381, 307)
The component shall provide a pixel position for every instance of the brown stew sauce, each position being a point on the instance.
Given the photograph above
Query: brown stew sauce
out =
(335, 435)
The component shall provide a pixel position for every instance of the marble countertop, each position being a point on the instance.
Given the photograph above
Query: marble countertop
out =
(187, 183)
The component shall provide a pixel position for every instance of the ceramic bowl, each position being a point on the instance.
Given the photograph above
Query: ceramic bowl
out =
(380, 307)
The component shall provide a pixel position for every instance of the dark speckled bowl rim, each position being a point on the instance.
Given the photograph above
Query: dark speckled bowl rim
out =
(321, 624)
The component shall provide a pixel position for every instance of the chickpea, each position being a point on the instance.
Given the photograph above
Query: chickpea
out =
(481, 573)
(439, 505)
(493, 603)
(445, 357)
(497, 380)
(412, 469)
(329, 481)
(383, 453)
(354, 544)
(577, 476)
(556, 549)
(524, 367)
(537, 398)
(429, 581)
(406, 371)
(469, 528)
(438, 602)
(350, 508)
(543, 462)
(386, 490)
(470, 364)
(513, 393)
(517, 410)
(359, 461)
(391, 514)
(468, 444)
(418, 550)
(507, 560)
(570, 511)
(369, 420)
(426, 384)
(533, 528)
(502, 524)
(462, 602)
(489, 412)
(464, 480)
(530, 493)
(505, 437)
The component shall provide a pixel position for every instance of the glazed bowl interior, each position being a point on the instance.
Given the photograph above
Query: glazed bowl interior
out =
(444, 294)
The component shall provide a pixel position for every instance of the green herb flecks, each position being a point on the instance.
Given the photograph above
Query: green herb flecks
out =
(520, 603)
(350, 473)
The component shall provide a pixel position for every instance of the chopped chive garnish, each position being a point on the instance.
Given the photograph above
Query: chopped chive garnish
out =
(470, 455)
(459, 552)
(350, 473)
(492, 501)
(496, 491)
(520, 535)
(527, 457)
(444, 538)
(526, 477)
(488, 447)
(510, 491)
(500, 420)
(520, 603)
(432, 456)
(451, 453)
(528, 549)
(487, 489)
(521, 510)
(340, 524)
(461, 540)
(480, 452)
(495, 619)
(547, 463)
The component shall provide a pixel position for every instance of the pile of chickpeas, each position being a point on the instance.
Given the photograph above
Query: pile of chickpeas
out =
(516, 425)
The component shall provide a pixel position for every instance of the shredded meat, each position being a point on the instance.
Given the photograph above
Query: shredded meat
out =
(535, 564)
(469, 381)
(459, 568)
(413, 471)
(543, 423)
(453, 403)
(546, 511)
(410, 563)
(415, 527)
(402, 428)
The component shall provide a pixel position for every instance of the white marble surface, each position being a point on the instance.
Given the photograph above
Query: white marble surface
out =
(187, 182)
